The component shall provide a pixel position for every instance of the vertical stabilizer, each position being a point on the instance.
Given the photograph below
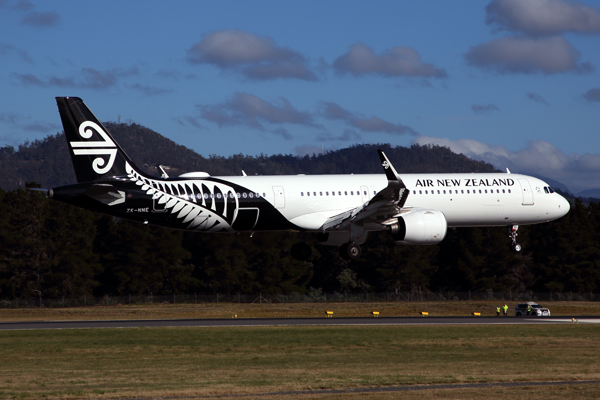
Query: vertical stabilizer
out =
(94, 152)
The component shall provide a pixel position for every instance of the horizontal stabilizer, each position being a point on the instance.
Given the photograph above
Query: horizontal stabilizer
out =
(105, 194)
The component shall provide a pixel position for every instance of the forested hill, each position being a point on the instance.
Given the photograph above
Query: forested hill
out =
(48, 163)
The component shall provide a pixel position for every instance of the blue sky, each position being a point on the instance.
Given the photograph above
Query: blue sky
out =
(515, 83)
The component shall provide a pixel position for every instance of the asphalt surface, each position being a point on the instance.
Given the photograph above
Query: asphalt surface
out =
(294, 322)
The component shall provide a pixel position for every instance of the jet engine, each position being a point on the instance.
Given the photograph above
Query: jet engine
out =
(420, 227)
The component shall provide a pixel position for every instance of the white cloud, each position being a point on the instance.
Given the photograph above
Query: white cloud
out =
(256, 58)
(247, 109)
(334, 111)
(87, 78)
(577, 171)
(7, 49)
(537, 98)
(398, 61)
(543, 17)
(592, 95)
(528, 56)
(484, 108)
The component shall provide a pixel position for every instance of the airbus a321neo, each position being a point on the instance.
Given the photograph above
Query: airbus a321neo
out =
(416, 209)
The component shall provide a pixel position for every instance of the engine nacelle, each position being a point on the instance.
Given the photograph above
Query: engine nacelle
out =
(420, 227)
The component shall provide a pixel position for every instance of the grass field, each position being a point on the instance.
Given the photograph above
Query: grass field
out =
(188, 362)
(291, 310)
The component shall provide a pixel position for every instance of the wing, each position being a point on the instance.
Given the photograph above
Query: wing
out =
(384, 205)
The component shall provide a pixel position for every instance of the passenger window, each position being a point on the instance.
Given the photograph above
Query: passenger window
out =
(308, 193)
(509, 191)
(333, 193)
(314, 193)
(503, 191)
(244, 195)
(301, 193)
(251, 195)
(345, 193)
(420, 192)
(320, 193)
(462, 191)
(326, 193)
(444, 192)
(339, 193)
(352, 192)
(365, 192)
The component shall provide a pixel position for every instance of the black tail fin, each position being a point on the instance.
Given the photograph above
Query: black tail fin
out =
(94, 152)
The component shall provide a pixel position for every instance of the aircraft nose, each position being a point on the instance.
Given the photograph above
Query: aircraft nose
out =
(563, 206)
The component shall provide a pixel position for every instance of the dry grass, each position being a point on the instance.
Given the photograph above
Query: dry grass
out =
(180, 362)
(291, 310)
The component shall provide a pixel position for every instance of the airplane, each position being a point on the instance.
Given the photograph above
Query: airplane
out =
(416, 209)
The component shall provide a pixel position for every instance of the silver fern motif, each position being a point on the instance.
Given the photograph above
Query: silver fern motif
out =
(200, 205)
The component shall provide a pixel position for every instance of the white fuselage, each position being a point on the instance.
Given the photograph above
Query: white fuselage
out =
(489, 199)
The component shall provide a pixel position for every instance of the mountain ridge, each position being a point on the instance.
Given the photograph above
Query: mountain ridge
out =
(48, 163)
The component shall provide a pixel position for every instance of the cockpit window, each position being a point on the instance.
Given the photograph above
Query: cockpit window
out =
(550, 189)
(546, 189)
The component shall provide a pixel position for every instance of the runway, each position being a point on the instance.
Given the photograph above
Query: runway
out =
(241, 322)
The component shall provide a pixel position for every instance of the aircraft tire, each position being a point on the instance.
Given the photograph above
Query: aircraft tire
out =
(353, 251)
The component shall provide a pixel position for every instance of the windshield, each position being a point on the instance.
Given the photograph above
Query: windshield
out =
(536, 306)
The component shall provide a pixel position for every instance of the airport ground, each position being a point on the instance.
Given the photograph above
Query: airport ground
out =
(287, 310)
(306, 362)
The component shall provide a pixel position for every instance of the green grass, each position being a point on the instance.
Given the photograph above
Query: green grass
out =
(153, 362)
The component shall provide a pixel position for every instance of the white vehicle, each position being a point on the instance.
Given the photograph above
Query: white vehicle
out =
(534, 309)
(416, 209)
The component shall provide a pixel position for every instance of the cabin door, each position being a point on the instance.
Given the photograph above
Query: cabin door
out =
(527, 192)
(279, 196)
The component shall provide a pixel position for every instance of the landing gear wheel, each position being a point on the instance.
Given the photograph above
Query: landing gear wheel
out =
(350, 251)
(512, 234)
(301, 251)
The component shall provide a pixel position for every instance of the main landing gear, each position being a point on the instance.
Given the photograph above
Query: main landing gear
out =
(512, 234)
(350, 251)
(301, 251)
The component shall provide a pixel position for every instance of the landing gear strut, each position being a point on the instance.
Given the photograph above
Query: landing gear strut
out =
(512, 234)
(350, 251)
(301, 251)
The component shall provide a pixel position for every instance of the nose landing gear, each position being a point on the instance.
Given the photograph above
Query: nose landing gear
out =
(512, 234)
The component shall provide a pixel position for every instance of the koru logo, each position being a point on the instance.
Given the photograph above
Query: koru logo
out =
(105, 147)
(385, 164)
